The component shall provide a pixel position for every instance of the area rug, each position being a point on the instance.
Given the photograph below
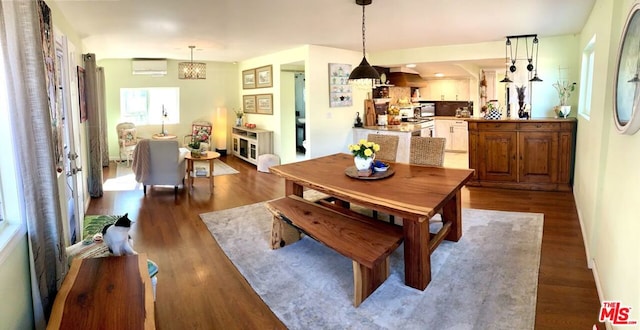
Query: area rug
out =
(487, 280)
(126, 180)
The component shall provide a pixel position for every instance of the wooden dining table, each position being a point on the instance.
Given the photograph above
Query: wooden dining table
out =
(414, 192)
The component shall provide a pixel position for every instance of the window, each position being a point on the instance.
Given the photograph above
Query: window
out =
(11, 229)
(146, 106)
(586, 77)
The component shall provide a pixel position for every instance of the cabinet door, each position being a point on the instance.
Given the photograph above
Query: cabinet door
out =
(538, 157)
(253, 151)
(497, 156)
(236, 146)
(459, 136)
(443, 130)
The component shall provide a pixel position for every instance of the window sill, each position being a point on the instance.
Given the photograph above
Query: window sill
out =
(10, 235)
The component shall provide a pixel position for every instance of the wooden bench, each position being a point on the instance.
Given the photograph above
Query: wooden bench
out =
(367, 242)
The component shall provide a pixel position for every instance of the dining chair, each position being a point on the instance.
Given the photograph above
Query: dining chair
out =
(388, 151)
(427, 151)
(200, 131)
(388, 146)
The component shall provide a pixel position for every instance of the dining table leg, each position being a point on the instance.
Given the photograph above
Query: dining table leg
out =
(417, 261)
(452, 211)
(292, 188)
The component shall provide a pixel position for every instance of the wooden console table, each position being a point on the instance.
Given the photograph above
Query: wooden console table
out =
(105, 293)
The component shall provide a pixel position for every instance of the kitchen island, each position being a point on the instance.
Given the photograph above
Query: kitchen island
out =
(535, 154)
(404, 131)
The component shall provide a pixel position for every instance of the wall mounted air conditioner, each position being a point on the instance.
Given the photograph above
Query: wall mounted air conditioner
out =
(155, 67)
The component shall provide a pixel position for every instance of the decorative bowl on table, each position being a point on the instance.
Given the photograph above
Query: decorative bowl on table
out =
(379, 166)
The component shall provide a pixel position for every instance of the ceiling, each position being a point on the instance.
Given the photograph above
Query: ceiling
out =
(236, 30)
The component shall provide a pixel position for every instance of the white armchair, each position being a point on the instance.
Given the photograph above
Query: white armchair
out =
(159, 162)
(200, 131)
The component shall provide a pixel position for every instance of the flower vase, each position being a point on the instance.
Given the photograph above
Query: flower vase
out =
(363, 164)
(238, 121)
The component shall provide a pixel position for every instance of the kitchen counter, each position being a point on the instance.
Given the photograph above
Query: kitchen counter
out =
(404, 131)
(403, 127)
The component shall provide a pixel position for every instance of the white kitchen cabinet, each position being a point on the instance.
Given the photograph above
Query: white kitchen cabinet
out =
(455, 132)
(402, 156)
(447, 90)
(248, 143)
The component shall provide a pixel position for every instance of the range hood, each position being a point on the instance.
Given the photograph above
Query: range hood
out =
(404, 79)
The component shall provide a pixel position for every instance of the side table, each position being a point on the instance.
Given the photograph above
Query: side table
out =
(209, 156)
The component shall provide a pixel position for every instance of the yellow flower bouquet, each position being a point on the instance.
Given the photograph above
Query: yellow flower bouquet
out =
(364, 149)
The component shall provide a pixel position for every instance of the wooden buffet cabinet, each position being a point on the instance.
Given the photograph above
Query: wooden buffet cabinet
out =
(536, 154)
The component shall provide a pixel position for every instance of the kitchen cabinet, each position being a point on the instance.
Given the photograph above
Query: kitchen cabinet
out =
(447, 90)
(455, 132)
(530, 155)
(248, 144)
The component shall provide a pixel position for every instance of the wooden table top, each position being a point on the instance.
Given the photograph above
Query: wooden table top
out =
(105, 293)
(413, 191)
(207, 156)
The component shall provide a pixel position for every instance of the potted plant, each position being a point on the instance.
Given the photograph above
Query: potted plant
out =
(564, 89)
(195, 147)
(239, 115)
(364, 152)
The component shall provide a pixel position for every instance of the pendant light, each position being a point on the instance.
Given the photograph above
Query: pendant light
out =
(192, 70)
(364, 75)
(535, 74)
(506, 64)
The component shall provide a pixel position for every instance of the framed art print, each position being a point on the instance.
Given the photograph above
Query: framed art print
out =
(249, 103)
(339, 88)
(264, 76)
(249, 79)
(264, 104)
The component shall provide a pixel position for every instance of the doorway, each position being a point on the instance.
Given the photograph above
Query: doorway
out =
(300, 118)
(71, 193)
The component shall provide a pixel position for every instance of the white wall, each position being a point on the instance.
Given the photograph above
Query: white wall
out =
(199, 99)
(328, 129)
(607, 180)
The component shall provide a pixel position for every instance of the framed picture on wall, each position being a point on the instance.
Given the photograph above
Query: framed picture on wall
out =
(264, 104)
(339, 88)
(81, 95)
(249, 103)
(264, 76)
(249, 79)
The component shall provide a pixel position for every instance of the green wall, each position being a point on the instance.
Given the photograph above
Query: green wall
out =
(607, 180)
(199, 99)
(16, 311)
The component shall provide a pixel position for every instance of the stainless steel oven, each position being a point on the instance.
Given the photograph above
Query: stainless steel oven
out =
(427, 109)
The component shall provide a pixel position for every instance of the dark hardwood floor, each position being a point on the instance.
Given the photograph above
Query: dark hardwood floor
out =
(199, 288)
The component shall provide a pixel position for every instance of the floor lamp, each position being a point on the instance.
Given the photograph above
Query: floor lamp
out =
(221, 130)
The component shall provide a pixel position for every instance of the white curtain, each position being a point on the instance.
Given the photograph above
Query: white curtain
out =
(21, 36)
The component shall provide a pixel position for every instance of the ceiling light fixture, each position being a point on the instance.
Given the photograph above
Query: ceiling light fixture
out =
(364, 75)
(192, 70)
(411, 65)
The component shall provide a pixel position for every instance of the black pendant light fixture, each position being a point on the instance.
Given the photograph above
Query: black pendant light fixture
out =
(535, 74)
(506, 63)
(364, 74)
